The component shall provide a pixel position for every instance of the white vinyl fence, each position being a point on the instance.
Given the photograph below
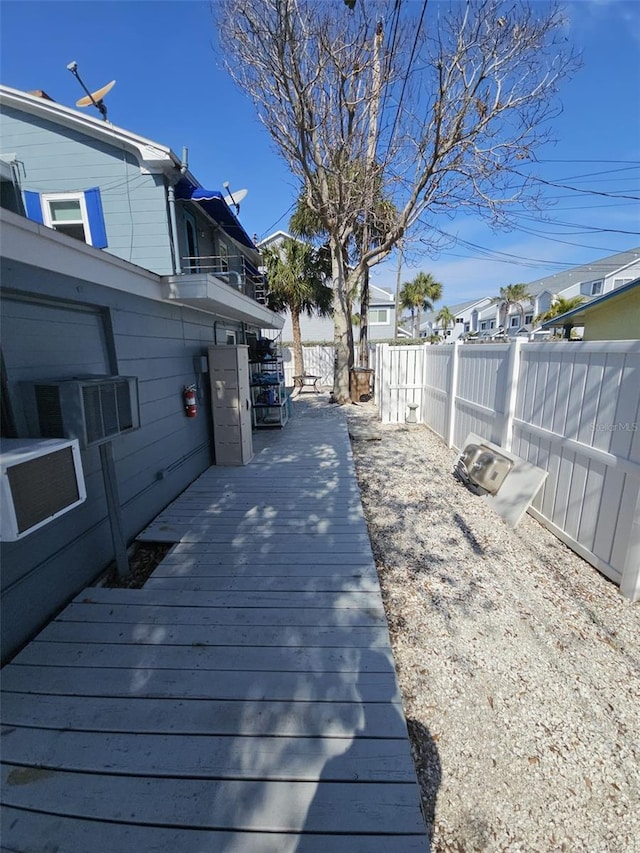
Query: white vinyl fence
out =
(571, 408)
(318, 361)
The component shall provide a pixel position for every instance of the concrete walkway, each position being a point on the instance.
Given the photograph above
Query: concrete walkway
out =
(244, 701)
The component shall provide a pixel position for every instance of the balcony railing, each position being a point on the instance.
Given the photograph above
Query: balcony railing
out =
(234, 269)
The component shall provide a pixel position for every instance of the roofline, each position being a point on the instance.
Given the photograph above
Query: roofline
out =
(284, 234)
(153, 156)
(561, 319)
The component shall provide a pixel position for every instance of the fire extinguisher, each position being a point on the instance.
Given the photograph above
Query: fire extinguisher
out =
(190, 402)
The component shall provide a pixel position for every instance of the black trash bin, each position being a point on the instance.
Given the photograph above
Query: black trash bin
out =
(360, 379)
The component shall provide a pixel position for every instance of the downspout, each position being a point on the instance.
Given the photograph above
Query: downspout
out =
(171, 197)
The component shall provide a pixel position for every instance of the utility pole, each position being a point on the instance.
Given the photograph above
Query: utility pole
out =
(398, 277)
(372, 142)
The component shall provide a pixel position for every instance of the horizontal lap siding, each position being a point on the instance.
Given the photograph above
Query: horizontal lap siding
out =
(153, 341)
(134, 204)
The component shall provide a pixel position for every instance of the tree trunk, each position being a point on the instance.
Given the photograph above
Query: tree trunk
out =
(419, 313)
(364, 320)
(298, 358)
(343, 332)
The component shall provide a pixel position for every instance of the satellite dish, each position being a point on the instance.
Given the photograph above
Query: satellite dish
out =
(234, 198)
(95, 97)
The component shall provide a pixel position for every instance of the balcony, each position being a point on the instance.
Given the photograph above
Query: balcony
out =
(235, 270)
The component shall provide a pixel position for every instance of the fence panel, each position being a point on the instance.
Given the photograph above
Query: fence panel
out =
(481, 395)
(437, 383)
(577, 416)
(319, 361)
(400, 381)
(571, 409)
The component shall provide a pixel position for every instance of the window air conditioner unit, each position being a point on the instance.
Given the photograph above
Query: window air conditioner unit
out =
(482, 469)
(92, 409)
(40, 480)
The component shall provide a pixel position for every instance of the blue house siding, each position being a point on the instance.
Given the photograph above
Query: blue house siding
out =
(58, 159)
(119, 333)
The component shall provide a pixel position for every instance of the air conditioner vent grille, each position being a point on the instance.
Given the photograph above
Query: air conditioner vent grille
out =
(125, 416)
(92, 413)
(91, 409)
(42, 486)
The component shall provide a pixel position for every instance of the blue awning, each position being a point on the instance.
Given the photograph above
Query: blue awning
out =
(213, 203)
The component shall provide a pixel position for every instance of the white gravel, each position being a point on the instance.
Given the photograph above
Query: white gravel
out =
(518, 662)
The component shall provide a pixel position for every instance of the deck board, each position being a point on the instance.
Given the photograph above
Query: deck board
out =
(243, 701)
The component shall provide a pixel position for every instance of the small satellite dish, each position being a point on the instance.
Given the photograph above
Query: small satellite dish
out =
(95, 97)
(235, 197)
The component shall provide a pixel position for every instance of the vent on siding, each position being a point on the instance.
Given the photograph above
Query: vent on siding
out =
(91, 409)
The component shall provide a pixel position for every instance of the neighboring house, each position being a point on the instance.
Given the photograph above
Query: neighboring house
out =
(588, 280)
(382, 311)
(71, 310)
(614, 316)
(466, 320)
(482, 316)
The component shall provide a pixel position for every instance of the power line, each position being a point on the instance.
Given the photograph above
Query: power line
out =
(508, 257)
(279, 219)
(575, 189)
(408, 71)
(583, 228)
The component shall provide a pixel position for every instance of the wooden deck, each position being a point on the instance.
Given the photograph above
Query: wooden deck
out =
(244, 701)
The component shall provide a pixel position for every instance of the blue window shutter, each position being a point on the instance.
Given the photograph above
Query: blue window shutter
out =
(96, 218)
(33, 206)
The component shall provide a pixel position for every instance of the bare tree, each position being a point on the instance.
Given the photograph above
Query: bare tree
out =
(456, 110)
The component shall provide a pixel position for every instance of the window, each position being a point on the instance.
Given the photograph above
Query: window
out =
(467, 327)
(378, 316)
(459, 319)
(514, 322)
(528, 319)
(596, 288)
(67, 215)
(483, 325)
(492, 324)
(77, 214)
(230, 337)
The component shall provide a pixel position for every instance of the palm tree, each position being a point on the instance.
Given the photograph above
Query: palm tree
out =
(560, 306)
(447, 319)
(511, 295)
(305, 223)
(418, 295)
(297, 275)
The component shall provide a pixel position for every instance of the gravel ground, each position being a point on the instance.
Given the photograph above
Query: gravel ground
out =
(519, 663)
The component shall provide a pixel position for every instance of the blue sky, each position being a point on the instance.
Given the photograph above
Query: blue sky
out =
(172, 88)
